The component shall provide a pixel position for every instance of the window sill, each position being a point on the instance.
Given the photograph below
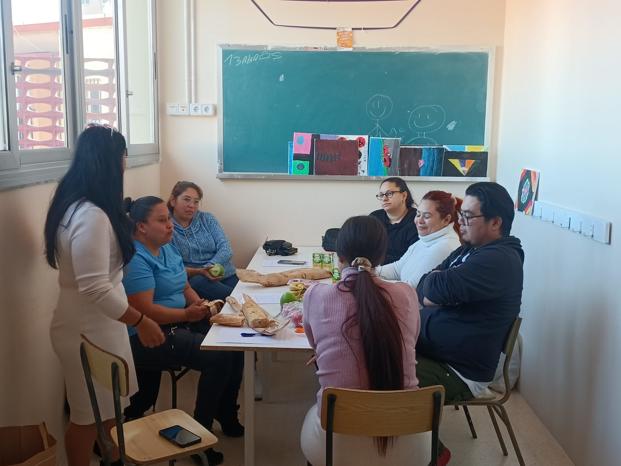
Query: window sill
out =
(50, 172)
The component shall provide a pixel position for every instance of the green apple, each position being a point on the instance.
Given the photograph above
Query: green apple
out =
(287, 297)
(216, 270)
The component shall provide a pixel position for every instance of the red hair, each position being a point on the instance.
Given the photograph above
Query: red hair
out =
(446, 204)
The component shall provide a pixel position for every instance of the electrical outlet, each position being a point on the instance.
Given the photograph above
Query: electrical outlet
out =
(184, 109)
(208, 109)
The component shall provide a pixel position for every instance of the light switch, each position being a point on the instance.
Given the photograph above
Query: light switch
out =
(195, 109)
(183, 109)
(172, 109)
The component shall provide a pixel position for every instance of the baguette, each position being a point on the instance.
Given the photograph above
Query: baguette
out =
(255, 314)
(281, 278)
(237, 307)
(227, 320)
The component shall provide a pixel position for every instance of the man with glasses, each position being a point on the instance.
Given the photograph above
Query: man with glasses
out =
(471, 300)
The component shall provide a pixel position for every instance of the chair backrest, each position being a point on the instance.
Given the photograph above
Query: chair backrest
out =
(508, 350)
(100, 362)
(382, 413)
(112, 372)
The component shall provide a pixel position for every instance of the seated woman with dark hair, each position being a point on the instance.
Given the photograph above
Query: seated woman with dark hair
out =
(397, 215)
(364, 332)
(201, 242)
(156, 285)
(438, 232)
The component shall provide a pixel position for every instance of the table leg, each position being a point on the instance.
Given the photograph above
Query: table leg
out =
(249, 408)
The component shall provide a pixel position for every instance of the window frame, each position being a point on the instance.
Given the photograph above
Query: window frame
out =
(19, 168)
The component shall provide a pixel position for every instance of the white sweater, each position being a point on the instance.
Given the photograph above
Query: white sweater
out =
(422, 257)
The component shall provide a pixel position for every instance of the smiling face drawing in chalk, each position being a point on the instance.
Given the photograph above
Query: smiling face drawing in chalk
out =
(379, 107)
(426, 119)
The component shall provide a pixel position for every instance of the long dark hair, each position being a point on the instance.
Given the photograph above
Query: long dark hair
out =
(380, 333)
(95, 175)
(403, 187)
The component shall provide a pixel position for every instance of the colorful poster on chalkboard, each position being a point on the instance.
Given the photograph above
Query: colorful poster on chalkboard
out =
(304, 151)
(431, 161)
(384, 156)
(527, 191)
(410, 160)
(464, 163)
(336, 157)
(363, 150)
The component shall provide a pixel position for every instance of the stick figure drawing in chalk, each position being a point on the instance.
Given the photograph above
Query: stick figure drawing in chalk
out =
(379, 107)
(426, 119)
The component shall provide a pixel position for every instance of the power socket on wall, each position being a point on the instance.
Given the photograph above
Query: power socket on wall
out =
(192, 109)
(591, 227)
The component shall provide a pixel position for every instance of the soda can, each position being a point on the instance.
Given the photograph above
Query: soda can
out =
(336, 274)
(327, 261)
(317, 260)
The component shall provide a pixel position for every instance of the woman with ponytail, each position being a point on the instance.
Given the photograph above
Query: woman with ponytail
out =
(363, 331)
(438, 231)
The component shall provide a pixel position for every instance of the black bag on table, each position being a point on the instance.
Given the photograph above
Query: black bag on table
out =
(328, 240)
(279, 247)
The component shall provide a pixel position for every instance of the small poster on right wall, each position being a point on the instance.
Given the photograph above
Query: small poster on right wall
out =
(527, 191)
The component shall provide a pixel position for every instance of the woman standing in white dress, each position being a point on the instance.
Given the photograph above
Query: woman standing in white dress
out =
(87, 237)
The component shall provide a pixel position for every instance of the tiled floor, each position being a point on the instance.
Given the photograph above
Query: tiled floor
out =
(288, 391)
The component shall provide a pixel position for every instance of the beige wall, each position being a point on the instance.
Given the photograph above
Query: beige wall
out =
(560, 104)
(295, 210)
(32, 388)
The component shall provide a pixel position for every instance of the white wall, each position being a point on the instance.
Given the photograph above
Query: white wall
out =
(31, 387)
(295, 210)
(560, 104)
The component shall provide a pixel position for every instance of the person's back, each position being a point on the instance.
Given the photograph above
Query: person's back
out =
(340, 360)
(364, 332)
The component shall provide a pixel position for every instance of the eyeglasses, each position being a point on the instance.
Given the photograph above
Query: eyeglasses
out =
(387, 194)
(466, 218)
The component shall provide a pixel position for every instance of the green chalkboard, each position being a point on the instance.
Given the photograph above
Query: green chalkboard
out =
(425, 97)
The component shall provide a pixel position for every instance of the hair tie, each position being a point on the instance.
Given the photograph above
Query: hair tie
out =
(363, 264)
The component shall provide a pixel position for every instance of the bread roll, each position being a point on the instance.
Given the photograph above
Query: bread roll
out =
(281, 278)
(255, 314)
(227, 320)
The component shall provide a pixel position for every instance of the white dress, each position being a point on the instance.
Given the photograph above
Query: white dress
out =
(91, 300)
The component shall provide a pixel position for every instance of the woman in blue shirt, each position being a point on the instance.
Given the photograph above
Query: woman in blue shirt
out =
(156, 285)
(201, 242)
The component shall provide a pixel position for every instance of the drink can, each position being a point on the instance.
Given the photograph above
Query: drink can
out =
(317, 259)
(336, 274)
(327, 261)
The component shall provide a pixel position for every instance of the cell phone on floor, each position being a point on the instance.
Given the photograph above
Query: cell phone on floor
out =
(291, 262)
(180, 436)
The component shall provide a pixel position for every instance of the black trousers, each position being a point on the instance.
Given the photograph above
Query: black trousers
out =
(219, 382)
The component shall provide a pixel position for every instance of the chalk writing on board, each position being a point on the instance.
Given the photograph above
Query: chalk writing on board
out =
(237, 60)
(426, 119)
(378, 108)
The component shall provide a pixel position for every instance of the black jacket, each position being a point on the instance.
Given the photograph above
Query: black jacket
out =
(479, 291)
(400, 235)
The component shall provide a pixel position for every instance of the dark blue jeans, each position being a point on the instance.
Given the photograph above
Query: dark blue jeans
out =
(213, 289)
(219, 382)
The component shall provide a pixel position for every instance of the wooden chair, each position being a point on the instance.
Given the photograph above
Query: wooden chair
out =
(496, 404)
(381, 414)
(138, 440)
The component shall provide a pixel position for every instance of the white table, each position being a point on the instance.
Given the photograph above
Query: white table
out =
(230, 339)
